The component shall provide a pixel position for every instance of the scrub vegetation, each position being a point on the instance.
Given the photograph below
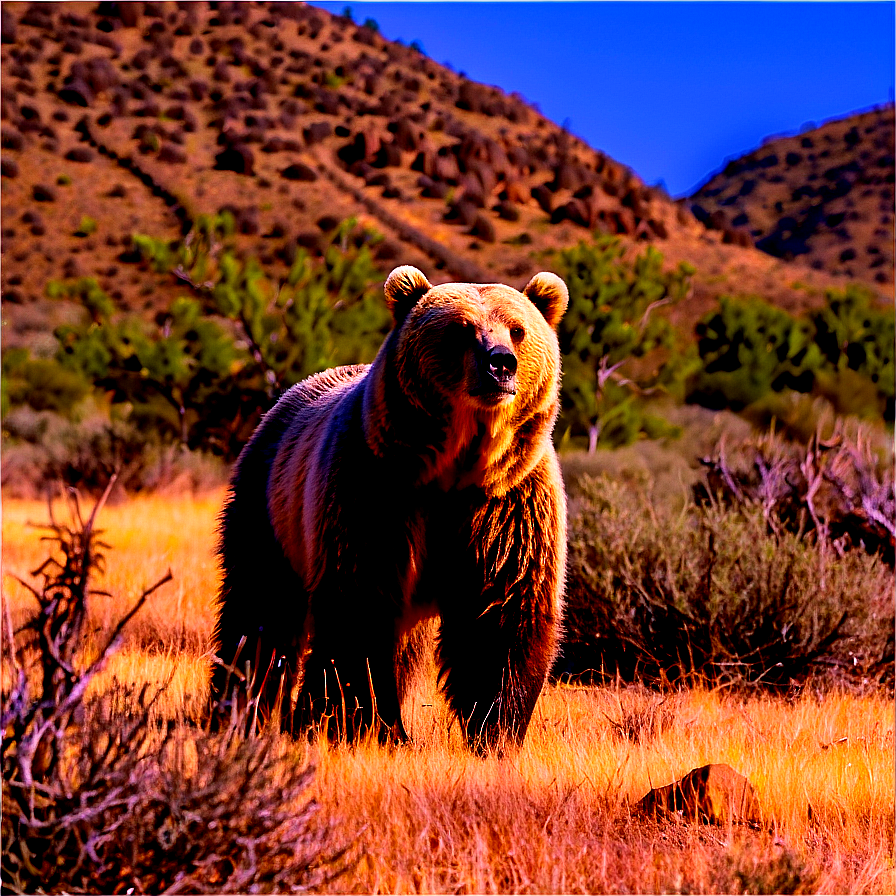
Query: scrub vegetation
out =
(133, 785)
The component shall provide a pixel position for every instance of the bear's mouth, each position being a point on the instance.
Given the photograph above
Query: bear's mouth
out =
(494, 392)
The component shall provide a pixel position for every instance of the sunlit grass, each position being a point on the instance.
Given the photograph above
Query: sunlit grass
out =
(558, 816)
(147, 537)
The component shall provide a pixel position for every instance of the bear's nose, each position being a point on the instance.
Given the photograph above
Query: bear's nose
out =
(501, 362)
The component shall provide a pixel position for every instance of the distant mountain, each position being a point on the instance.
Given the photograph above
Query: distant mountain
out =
(824, 197)
(136, 117)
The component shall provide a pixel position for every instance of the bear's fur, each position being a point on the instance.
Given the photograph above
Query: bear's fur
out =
(424, 484)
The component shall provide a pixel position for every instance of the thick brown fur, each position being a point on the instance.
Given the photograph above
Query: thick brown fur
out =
(371, 498)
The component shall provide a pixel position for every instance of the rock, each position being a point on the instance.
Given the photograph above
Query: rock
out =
(483, 228)
(515, 191)
(8, 32)
(100, 74)
(43, 194)
(566, 177)
(660, 229)
(388, 155)
(80, 154)
(12, 139)
(237, 158)
(507, 211)
(542, 195)
(713, 794)
(432, 189)
(129, 13)
(624, 221)
(446, 168)
(173, 155)
(406, 136)
(462, 212)
(471, 191)
(299, 171)
(76, 93)
(737, 236)
(317, 132)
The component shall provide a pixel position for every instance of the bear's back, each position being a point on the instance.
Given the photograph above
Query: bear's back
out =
(302, 427)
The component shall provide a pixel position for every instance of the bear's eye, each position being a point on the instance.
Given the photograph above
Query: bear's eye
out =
(458, 331)
(517, 334)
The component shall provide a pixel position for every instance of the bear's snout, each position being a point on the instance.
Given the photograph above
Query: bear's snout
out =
(501, 363)
(496, 368)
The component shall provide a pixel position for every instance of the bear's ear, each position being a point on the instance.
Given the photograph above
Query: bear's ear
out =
(548, 293)
(405, 287)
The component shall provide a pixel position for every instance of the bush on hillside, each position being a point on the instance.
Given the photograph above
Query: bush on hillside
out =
(327, 312)
(856, 336)
(751, 350)
(203, 372)
(617, 349)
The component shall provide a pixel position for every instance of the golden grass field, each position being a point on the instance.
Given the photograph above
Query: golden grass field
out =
(557, 817)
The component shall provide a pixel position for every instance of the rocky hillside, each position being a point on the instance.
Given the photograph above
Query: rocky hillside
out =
(824, 197)
(122, 118)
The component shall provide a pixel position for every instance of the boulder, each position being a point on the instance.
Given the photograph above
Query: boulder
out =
(713, 794)
(483, 228)
(238, 158)
(8, 28)
(299, 171)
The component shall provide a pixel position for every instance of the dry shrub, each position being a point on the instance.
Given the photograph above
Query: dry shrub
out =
(649, 716)
(747, 864)
(98, 796)
(836, 490)
(713, 594)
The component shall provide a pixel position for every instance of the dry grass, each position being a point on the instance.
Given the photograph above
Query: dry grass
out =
(170, 638)
(556, 817)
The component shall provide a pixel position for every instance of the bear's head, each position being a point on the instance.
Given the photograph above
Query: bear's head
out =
(484, 358)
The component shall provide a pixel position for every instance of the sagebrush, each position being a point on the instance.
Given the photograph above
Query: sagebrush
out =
(714, 594)
(101, 794)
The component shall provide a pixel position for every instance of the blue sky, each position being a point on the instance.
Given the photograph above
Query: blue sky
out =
(670, 89)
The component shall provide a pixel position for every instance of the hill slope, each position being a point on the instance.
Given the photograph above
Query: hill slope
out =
(136, 117)
(824, 196)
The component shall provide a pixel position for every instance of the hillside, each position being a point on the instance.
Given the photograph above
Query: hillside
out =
(136, 117)
(824, 196)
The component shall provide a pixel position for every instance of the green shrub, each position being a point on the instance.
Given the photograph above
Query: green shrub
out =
(202, 373)
(616, 349)
(328, 311)
(41, 383)
(87, 293)
(854, 335)
(751, 351)
(750, 348)
(87, 226)
(177, 379)
(710, 594)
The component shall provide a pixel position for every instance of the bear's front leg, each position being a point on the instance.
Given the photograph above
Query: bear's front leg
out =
(349, 684)
(501, 614)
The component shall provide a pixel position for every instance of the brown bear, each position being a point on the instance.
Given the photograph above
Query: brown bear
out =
(424, 484)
